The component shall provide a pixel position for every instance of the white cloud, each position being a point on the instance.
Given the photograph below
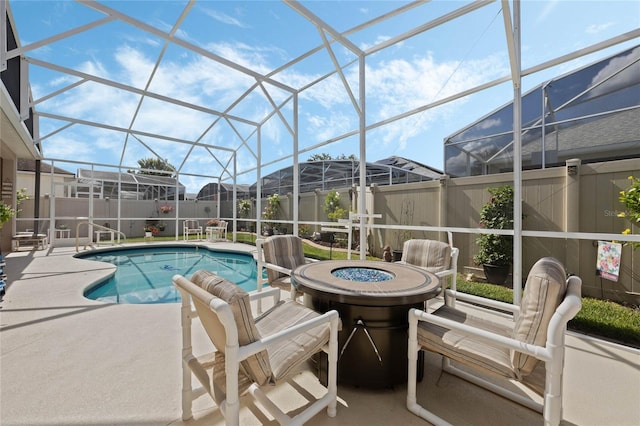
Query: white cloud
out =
(598, 28)
(224, 18)
(549, 7)
(400, 85)
(324, 127)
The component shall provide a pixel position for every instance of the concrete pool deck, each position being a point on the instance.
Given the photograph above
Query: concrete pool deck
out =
(67, 360)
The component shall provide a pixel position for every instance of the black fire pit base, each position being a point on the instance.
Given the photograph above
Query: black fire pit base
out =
(372, 345)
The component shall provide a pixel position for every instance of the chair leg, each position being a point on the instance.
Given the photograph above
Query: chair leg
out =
(187, 388)
(412, 373)
(187, 394)
(231, 405)
(552, 410)
(332, 379)
(412, 376)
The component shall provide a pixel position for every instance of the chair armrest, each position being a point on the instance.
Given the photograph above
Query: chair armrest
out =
(482, 301)
(445, 273)
(330, 317)
(277, 268)
(567, 310)
(267, 292)
(539, 352)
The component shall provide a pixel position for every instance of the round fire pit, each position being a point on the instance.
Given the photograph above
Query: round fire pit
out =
(373, 300)
(368, 275)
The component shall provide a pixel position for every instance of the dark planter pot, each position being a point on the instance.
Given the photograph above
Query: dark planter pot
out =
(397, 255)
(496, 274)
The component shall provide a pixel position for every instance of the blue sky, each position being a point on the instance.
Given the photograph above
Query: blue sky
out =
(263, 36)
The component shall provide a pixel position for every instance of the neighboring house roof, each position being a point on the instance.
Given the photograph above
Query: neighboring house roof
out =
(412, 166)
(210, 191)
(591, 113)
(332, 174)
(28, 165)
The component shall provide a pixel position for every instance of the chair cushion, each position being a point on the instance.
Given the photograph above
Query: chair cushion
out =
(256, 366)
(544, 290)
(434, 256)
(285, 251)
(462, 348)
(285, 358)
(283, 283)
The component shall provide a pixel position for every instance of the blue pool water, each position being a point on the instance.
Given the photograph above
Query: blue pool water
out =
(144, 274)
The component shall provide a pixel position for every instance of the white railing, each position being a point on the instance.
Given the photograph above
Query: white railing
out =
(94, 225)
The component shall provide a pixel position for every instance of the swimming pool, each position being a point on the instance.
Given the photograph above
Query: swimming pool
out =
(144, 274)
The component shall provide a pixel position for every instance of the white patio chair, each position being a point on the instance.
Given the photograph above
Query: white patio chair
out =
(279, 254)
(251, 353)
(550, 300)
(191, 227)
(221, 230)
(434, 256)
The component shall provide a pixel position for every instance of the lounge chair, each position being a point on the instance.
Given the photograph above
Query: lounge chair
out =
(252, 353)
(512, 351)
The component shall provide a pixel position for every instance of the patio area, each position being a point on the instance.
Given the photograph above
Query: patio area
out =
(70, 360)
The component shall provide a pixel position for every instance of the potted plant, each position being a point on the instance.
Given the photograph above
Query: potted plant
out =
(152, 230)
(244, 208)
(166, 209)
(495, 252)
(7, 211)
(271, 212)
(212, 222)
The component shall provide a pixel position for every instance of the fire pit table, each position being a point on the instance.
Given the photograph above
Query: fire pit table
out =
(373, 299)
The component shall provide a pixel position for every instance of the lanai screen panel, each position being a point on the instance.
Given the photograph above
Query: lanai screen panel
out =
(592, 114)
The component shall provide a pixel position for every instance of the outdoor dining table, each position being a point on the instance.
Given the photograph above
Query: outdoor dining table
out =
(373, 299)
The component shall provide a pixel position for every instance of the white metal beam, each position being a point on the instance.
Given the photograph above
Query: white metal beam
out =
(512, 32)
(313, 18)
(24, 89)
(3, 35)
(197, 49)
(132, 89)
(59, 91)
(338, 69)
(429, 25)
(126, 130)
(36, 45)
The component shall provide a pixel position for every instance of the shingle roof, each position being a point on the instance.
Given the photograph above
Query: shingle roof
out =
(28, 165)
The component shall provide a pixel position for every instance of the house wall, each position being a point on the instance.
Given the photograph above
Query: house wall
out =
(8, 194)
(27, 181)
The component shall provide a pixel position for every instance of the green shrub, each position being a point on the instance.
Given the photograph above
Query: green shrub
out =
(497, 213)
(332, 207)
(631, 200)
